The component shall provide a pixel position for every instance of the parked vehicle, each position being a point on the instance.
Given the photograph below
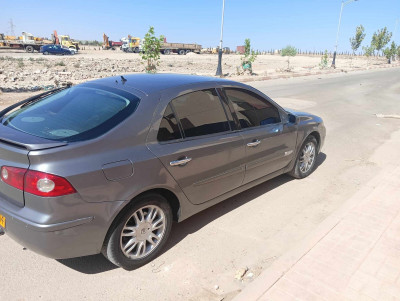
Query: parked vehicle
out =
(107, 44)
(56, 49)
(26, 41)
(108, 165)
(65, 40)
(131, 44)
(179, 48)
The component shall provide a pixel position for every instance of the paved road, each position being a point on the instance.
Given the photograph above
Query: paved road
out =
(249, 230)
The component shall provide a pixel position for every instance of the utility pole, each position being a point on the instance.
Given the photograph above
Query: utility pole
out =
(344, 3)
(12, 26)
(219, 68)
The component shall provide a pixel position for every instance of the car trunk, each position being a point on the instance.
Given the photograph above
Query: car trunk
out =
(14, 151)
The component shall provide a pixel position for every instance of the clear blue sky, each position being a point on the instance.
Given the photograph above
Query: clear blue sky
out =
(270, 24)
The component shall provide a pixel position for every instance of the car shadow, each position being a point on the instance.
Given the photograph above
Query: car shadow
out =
(96, 264)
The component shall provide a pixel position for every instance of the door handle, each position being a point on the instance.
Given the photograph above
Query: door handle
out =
(254, 143)
(181, 162)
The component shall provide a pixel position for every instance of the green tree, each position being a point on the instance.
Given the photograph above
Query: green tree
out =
(151, 50)
(358, 38)
(289, 51)
(324, 60)
(368, 51)
(390, 52)
(381, 38)
(249, 56)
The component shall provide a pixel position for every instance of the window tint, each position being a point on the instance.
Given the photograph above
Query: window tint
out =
(169, 129)
(252, 109)
(201, 113)
(77, 113)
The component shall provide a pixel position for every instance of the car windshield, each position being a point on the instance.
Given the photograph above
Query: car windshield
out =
(74, 114)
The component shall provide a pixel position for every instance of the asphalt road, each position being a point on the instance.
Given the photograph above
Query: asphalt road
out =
(249, 230)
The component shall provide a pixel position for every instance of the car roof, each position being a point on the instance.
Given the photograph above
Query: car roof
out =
(151, 83)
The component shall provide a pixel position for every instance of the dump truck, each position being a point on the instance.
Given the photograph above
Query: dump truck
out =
(107, 44)
(65, 40)
(26, 41)
(131, 44)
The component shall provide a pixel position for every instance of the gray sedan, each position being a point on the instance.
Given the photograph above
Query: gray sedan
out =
(108, 165)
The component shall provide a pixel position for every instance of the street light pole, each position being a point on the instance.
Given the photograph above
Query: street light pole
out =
(219, 68)
(338, 30)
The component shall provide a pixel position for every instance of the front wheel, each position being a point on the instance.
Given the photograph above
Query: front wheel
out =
(45, 53)
(306, 159)
(140, 233)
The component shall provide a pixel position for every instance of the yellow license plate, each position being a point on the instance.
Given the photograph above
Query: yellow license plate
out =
(2, 221)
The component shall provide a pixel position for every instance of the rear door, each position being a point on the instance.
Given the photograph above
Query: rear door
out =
(197, 145)
(270, 144)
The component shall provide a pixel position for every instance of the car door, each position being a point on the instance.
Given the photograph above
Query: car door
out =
(270, 142)
(197, 145)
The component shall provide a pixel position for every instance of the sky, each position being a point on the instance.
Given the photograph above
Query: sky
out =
(270, 24)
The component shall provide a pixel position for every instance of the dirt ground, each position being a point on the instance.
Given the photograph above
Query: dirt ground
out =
(20, 71)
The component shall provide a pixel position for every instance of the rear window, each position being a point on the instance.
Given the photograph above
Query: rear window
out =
(74, 114)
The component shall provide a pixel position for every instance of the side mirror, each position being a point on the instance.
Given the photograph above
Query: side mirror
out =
(292, 118)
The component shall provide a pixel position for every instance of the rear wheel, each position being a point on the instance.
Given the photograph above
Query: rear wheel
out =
(136, 49)
(29, 49)
(45, 53)
(167, 51)
(181, 52)
(187, 51)
(140, 233)
(306, 159)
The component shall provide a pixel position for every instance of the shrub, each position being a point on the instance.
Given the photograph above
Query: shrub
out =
(324, 60)
(289, 51)
(248, 58)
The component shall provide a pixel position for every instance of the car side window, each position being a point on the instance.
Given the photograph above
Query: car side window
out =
(252, 110)
(201, 113)
(169, 128)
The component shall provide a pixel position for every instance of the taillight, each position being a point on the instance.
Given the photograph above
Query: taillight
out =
(13, 176)
(36, 182)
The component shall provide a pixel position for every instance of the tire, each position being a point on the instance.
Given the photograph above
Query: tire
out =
(181, 52)
(167, 51)
(306, 159)
(137, 246)
(187, 51)
(136, 49)
(45, 53)
(29, 49)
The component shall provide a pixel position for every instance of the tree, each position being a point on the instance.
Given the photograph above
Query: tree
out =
(249, 56)
(381, 38)
(289, 51)
(389, 52)
(357, 39)
(151, 50)
(368, 51)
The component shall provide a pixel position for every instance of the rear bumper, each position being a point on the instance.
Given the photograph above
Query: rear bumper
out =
(74, 238)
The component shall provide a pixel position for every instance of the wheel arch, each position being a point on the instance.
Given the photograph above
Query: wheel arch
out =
(317, 136)
(171, 198)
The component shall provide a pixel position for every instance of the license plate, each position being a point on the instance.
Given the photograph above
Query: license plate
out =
(2, 221)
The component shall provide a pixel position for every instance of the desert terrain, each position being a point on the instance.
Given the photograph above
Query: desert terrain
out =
(26, 72)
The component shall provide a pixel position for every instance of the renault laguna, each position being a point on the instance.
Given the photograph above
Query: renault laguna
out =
(107, 166)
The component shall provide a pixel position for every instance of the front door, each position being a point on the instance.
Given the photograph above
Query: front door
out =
(270, 144)
(198, 147)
